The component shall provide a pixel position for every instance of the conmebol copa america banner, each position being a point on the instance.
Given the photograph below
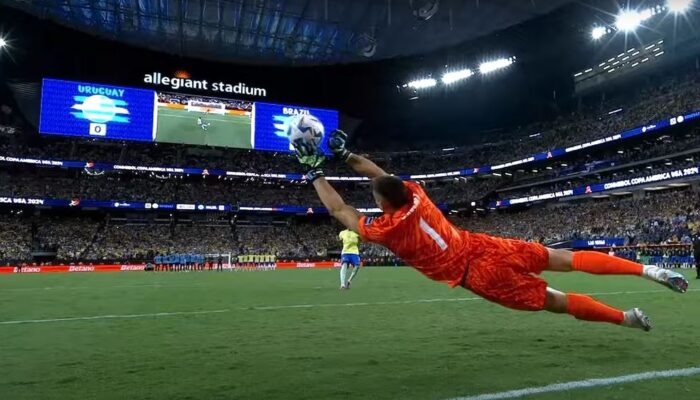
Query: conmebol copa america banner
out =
(601, 187)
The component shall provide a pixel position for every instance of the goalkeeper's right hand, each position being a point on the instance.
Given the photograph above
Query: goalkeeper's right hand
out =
(312, 159)
(337, 142)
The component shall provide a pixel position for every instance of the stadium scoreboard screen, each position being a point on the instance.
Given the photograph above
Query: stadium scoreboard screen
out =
(93, 110)
(271, 123)
(89, 110)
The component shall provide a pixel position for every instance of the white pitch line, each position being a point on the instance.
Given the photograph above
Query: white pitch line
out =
(285, 307)
(588, 383)
(115, 316)
(439, 300)
(153, 285)
(379, 303)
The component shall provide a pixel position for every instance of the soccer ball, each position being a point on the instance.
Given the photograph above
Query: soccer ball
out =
(305, 130)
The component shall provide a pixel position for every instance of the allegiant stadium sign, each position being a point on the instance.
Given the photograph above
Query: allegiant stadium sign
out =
(175, 83)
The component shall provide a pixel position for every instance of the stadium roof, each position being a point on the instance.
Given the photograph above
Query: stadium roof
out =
(284, 32)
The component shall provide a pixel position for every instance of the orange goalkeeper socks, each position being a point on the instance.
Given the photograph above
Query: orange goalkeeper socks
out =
(586, 308)
(594, 262)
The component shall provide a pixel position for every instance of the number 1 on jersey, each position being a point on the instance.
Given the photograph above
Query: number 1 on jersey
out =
(433, 234)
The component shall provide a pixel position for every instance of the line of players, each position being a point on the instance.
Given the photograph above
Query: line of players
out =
(187, 262)
(197, 262)
(349, 259)
(265, 262)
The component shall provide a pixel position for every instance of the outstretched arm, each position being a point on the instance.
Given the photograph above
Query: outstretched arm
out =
(364, 166)
(345, 214)
(313, 158)
(359, 164)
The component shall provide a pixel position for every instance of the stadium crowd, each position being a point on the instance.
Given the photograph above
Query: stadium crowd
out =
(69, 237)
(658, 218)
(668, 217)
(127, 186)
(15, 238)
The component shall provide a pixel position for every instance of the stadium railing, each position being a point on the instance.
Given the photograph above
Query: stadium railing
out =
(681, 173)
(639, 180)
(485, 169)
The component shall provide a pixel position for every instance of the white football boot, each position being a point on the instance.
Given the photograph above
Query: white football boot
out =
(666, 277)
(635, 318)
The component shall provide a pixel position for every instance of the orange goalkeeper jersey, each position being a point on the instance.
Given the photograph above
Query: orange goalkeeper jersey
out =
(421, 236)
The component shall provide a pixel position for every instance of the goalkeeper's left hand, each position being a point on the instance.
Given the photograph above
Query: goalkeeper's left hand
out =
(312, 159)
(337, 142)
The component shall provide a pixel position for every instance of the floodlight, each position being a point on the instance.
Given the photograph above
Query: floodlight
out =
(628, 20)
(494, 65)
(678, 6)
(598, 32)
(454, 76)
(3, 43)
(422, 83)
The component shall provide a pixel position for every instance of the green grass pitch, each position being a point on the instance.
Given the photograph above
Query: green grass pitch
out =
(180, 126)
(291, 334)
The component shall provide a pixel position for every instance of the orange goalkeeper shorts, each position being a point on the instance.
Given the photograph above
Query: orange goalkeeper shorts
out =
(504, 271)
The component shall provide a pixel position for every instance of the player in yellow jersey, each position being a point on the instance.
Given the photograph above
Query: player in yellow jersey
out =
(349, 256)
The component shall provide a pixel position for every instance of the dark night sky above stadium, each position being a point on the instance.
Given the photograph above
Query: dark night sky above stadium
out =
(549, 49)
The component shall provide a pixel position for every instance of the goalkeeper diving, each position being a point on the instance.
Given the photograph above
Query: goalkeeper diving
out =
(504, 271)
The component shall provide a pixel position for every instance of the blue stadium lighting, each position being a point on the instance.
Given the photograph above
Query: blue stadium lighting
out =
(454, 76)
(422, 83)
(679, 6)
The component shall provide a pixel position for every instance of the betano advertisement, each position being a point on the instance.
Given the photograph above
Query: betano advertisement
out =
(101, 111)
(29, 269)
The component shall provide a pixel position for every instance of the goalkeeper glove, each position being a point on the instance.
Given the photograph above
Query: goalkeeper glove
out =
(337, 142)
(313, 174)
(304, 148)
(312, 160)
